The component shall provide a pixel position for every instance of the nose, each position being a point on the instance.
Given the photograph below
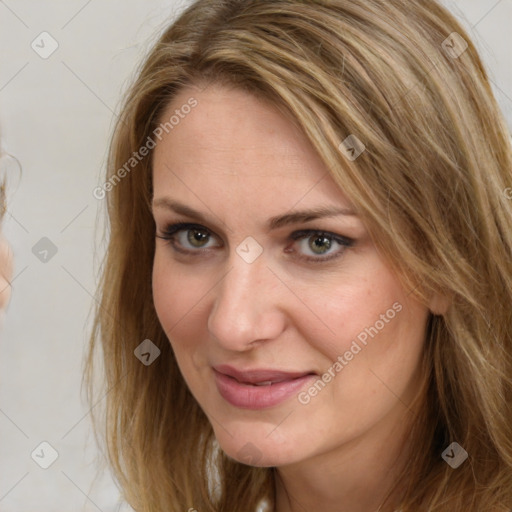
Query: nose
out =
(248, 306)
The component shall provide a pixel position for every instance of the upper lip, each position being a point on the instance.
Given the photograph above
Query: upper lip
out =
(258, 375)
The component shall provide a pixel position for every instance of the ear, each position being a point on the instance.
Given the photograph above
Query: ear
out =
(439, 304)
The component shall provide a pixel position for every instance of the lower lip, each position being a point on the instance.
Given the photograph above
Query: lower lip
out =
(247, 396)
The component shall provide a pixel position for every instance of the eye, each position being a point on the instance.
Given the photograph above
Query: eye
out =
(188, 238)
(315, 246)
(320, 246)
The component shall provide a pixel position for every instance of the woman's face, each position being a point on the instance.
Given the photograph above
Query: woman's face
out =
(257, 284)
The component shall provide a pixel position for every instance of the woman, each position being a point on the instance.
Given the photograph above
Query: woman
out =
(305, 303)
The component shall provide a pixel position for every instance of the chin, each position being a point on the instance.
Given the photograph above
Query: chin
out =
(257, 449)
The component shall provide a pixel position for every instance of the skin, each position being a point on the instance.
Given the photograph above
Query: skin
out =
(5, 272)
(239, 162)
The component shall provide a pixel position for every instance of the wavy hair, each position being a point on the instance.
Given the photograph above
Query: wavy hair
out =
(430, 188)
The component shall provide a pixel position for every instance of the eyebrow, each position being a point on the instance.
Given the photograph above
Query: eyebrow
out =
(273, 223)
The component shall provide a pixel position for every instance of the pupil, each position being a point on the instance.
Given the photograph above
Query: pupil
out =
(320, 244)
(196, 237)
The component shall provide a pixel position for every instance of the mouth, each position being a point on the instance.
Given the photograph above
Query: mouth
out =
(260, 377)
(258, 388)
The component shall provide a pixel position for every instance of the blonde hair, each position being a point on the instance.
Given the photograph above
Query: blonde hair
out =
(430, 188)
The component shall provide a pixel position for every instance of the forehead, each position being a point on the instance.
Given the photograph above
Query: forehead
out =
(232, 127)
(234, 141)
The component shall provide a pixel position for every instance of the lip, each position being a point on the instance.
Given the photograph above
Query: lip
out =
(240, 389)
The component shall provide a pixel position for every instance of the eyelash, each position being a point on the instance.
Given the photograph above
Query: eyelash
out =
(171, 230)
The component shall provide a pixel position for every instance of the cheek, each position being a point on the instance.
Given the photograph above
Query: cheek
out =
(348, 306)
(371, 354)
(380, 338)
(177, 302)
(179, 296)
(369, 320)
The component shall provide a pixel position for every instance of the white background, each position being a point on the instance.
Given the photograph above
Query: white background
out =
(56, 116)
